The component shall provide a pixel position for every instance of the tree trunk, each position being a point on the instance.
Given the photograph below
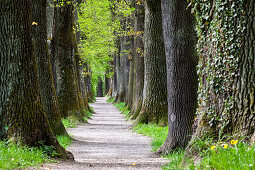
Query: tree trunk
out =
(48, 93)
(21, 109)
(100, 87)
(67, 86)
(138, 59)
(87, 77)
(107, 83)
(180, 41)
(118, 75)
(227, 78)
(131, 60)
(154, 108)
(115, 80)
(124, 63)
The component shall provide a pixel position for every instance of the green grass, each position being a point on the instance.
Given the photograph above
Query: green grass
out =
(111, 100)
(239, 156)
(123, 108)
(158, 134)
(233, 156)
(70, 123)
(14, 156)
(64, 141)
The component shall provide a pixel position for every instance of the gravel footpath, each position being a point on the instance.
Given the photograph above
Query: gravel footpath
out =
(105, 143)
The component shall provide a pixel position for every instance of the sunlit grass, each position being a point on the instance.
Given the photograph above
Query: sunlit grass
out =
(64, 141)
(13, 156)
(158, 134)
(222, 155)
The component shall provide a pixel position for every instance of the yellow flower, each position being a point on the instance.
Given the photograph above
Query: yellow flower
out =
(133, 164)
(233, 142)
(34, 23)
(225, 146)
(213, 147)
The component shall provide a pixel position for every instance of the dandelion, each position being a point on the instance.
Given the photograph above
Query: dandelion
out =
(34, 23)
(213, 147)
(225, 146)
(233, 142)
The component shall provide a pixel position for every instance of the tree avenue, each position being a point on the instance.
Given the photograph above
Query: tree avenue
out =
(187, 66)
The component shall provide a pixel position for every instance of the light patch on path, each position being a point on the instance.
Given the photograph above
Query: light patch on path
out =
(105, 143)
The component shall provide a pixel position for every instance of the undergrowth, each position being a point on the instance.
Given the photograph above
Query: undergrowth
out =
(232, 154)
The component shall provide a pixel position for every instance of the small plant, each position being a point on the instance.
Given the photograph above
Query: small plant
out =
(111, 100)
(70, 122)
(64, 141)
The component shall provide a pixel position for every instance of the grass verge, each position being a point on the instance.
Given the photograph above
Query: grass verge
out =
(221, 155)
(13, 156)
(121, 107)
(64, 141)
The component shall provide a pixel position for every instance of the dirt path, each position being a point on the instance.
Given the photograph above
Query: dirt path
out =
(106, 143)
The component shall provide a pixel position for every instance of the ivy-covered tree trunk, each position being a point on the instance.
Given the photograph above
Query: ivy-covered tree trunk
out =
(154, 108)
(180, 41)
(21, 109)
(138, 59)
(226, 85)
(47, 89)
(63, 40)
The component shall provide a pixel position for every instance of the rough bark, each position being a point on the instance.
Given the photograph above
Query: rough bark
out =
(118, 75)
(87, 77)
(107, 83)
(180, 41)
(243, 118)
(21, 109)
(124, 62)
(131, 61)
(226, 89)
(47, 89)
(138, 60)
(154, 108)
(63, 40)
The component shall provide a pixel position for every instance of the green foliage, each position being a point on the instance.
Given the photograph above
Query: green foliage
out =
(64, 141)
(175, 160)
(70, 122)
(111, 99)
(123, 108)
(158, 134)
(88, 114)
(13, 156)
(99, 23)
